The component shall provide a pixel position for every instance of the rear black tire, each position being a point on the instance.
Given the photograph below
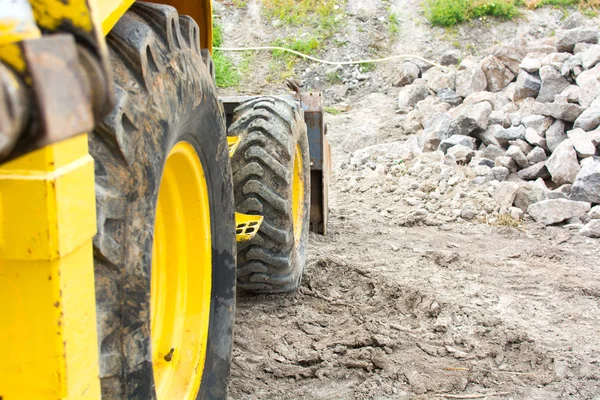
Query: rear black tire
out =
(165, 95)
(270, 128)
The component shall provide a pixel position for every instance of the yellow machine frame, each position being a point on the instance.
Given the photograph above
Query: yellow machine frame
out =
(47, 221)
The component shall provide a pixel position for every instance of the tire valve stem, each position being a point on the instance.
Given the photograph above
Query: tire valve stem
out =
(169, 356)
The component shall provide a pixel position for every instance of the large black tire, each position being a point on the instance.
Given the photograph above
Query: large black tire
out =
(165, 95)
(270, 130)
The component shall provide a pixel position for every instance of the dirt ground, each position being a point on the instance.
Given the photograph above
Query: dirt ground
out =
(393, 312)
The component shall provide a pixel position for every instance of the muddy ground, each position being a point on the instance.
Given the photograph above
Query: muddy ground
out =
(391, 312)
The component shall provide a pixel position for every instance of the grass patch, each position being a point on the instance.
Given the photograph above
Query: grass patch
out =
(452, 12)
(393, 24)
(507, 220)
(333, 110)
(227, 73)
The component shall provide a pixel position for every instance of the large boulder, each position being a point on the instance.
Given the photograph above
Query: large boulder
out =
(536, 155)
(589, 83)
(531, 65)
(591, 57)
(504, 135)
(408, 73)
(470, 78)
(590, 118)
(587, 184)
(451, 57)
(567, 40)
(497, 75)
(439, 78)
(528, 194)
(516, 154)
(565, 111)
(555, 134)
(528, 85)
(457, 140)
(534, 172)
(591, 229)
(582, 142)
(562, 164)
(410, 95)
(552, 84)
(469, 117)
(439, 126)
(550, 212)
(510, 56)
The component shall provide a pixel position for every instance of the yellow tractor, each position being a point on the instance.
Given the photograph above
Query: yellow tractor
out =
(133, 200)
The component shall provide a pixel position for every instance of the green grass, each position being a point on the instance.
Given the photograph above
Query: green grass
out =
(393, 24)
(452, 12)
(332, 110)
(227, 73)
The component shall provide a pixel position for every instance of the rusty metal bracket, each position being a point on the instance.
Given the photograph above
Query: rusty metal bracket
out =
(319, 150)
(60, 95)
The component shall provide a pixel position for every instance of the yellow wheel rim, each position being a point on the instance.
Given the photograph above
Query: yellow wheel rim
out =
(181, 276)
(297, 195)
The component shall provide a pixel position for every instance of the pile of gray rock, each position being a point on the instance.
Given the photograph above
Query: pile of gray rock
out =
(526, 116)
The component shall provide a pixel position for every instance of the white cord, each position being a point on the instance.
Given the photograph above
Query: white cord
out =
(376, 60)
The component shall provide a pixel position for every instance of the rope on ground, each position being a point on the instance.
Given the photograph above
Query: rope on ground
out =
(318, 60)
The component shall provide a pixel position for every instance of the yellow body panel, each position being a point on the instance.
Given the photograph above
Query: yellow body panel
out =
(297, 195)
(110, 11)
(246, 226)
(47, 221)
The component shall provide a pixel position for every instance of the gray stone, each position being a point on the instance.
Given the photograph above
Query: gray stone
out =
(555, 134)
(497, 75)
(500, 173)
(528, 85)
(589, 83)
(470, 78)
(468, 118)
(506, 162)
(591, 229)
(534, 172)
(407, 74)
(536, 155)
(581, 47)
(587, 184)
(516, 154)
(438, 78)
(410, 95)
(478, 97)
(574, 20)
(530, 65)
(481, 170)
(510, 56)
(565, 111)
(569, 38)
(449, 96)
(492, 152)
(505, 194)
(522, 144)
(535, 138)
(536, 122)
(451, 57)
(552, 84)
(550, 212)
(590, 57)
(462, 154)
(455, 140)
(571, 94)
(582, 142)
(569, 67)
(469, 211)
(555, 60)
(562, 164)
(590, 118)
(499, 117)
(594, 213)
(504, 135)
(440, 126)
(527, 195)
(562, 192)
(428, 141)
(478, 161)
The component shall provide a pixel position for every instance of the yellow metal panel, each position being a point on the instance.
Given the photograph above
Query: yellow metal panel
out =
(49, 14)
(48, 327)
(246, 226)
(52, 193)
(232, 143)
(110, 11)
